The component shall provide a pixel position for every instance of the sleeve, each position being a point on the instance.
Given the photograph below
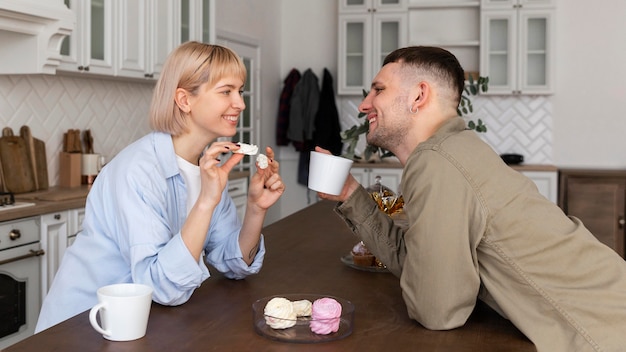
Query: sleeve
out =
(440, 280)
(375, 228)
(222, 249)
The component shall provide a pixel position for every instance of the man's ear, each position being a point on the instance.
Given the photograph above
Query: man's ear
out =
(181, 97)
(420, 95)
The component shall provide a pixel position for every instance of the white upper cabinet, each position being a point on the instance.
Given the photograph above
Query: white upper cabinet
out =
(517, 47)
(132, 39)
(495, 4)
(368, 31)
(90, 46)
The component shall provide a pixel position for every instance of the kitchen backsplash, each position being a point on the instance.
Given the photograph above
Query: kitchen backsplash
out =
(116, 112)
(516, 124)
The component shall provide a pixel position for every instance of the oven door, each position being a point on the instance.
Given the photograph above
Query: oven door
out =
(20, 287)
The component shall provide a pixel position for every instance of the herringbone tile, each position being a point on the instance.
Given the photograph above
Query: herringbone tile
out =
(115, 111)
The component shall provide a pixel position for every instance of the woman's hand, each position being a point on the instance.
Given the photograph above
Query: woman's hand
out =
(266, 185)
(213, 177)
(350, 186)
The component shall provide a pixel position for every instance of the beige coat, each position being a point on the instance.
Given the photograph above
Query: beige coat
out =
(478, 228)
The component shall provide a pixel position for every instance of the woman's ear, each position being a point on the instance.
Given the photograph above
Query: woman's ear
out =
(181, 97)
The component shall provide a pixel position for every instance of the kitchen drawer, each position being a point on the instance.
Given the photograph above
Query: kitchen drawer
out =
(238, 187)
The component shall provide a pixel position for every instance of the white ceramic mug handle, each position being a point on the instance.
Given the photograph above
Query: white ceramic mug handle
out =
(94, 322)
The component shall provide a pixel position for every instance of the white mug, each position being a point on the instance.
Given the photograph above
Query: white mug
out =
(328, 173)
(90, 166)
(124, 310)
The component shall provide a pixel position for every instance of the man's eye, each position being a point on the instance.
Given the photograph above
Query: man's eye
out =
(378, 90)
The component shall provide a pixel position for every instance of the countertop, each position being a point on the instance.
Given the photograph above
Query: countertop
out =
(397, 165)
(61, 198)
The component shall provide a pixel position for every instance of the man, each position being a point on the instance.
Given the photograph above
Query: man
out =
(477, 228)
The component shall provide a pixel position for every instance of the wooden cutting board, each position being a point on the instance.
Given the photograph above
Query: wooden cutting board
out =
(16, 167)
(37, 157)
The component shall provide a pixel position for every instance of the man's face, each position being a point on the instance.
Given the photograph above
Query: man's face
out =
(387, 107)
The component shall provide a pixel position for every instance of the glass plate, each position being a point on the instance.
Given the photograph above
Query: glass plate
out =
(347, 260)
(301, 332)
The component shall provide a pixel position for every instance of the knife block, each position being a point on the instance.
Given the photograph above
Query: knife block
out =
(69, 169)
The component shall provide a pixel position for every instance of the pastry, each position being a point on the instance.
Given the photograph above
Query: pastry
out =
(279, 313)
(248, 149)
(325, 316)
(362, 256)
(262, 161)
(302, 307)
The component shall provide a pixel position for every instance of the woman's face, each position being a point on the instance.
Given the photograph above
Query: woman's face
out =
(215, 110)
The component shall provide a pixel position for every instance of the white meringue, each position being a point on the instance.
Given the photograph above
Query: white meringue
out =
(249, 149)
(279, 313)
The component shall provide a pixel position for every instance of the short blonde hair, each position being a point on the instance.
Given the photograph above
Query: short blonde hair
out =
(189, 66)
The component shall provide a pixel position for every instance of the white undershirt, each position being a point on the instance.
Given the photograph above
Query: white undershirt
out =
(191, 175)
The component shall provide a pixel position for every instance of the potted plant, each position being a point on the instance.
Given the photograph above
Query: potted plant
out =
(351, 136)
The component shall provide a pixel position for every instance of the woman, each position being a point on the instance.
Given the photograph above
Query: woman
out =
(160, 208)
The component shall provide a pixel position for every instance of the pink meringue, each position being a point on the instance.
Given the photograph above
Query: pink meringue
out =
(325, 316)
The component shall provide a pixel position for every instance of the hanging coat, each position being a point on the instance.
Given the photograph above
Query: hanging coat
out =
(284, 105)
(304, 104)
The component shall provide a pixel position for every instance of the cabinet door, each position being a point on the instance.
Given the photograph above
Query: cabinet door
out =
(546, 182)
(600, 204)
(132, 43)
(355, 48)
(90, 47)
(390, 33)
(75, 224)
(535, 51)
(389, 177)
(54, 241)
(499, 50)
(361, 175)
(238, 191)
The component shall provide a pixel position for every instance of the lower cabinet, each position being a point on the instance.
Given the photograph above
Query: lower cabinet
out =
(238, 190)
(598, 198)
(56, 231)
(389, 176)
(546, 181)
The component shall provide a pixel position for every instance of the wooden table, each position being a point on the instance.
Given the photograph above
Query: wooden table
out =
(303, 256)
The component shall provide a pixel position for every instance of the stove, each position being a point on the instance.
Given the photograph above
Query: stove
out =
(7, 202)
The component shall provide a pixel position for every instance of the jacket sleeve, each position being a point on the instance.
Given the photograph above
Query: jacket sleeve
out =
(440, 279)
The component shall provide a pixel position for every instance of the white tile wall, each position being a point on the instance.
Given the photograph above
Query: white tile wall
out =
(515, 124)
(115, 111)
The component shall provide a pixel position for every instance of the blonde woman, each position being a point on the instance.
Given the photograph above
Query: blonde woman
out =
(160, 209)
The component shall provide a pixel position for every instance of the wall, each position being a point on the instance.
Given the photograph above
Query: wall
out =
(116, 112)
(591, 84)
(309, 40)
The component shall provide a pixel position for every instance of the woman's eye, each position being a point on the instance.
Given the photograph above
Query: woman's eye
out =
(241, 93)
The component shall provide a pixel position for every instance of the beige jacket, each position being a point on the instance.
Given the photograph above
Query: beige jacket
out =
(478, 228)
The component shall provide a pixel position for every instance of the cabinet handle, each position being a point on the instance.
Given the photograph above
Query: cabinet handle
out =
(86, 68)
(32, 253)
(621, 222)
(15, 234)
(233, 189)
(57, 216)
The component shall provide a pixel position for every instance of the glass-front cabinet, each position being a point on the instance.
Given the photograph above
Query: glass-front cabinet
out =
(517, 49)
(90, 46)
(368, 31)
(132, 39)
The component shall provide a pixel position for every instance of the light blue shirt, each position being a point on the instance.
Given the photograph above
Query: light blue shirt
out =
(131, 233)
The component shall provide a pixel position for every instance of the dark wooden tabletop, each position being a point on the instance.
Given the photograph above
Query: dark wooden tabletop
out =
(303, 256)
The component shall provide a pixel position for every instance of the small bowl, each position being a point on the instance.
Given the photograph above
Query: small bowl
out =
(300, 332)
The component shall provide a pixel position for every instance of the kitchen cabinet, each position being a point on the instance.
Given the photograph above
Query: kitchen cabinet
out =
(75, 225)
(132, 39)
(90, 46)
(389, 176)
(58, 231)
(517, 46)
(598, 198)
(238, 190)
(459, 33)
(54, 230)
(546, 181)
(368, 31)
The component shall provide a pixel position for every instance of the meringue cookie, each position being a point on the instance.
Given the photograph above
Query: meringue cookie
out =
(302, 307)
(249, 149)
(262, 161)
(325, 316)
(279, 313)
